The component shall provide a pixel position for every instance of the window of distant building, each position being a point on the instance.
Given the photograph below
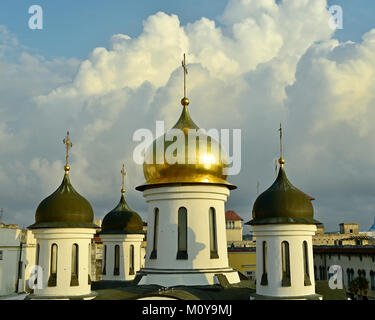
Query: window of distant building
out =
(182, 234)
(372, 280)
(1, 254)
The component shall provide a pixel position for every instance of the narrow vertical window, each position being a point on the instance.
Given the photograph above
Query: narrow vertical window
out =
(156, 227)
(285, 264)
(213, 236)
(116, 270)
(89, 269)
(37, 254)
(74, 267)
(264, 280)
(131, 260)
(182, 234)
(104, 260)
(53, 266)
(307, 280)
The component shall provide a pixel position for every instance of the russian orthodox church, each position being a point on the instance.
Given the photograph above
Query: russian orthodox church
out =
(186, 234)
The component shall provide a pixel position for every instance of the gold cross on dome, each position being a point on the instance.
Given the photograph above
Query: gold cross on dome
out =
(185, 73)
(68, 144)
(123, 174)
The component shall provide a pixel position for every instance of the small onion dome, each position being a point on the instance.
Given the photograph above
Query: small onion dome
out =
(65, 208)
(122, 220)
(283, 203)
(199, 166)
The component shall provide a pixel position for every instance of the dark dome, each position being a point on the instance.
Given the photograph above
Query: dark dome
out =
(65, 208)
(122, 220)
(282, 203)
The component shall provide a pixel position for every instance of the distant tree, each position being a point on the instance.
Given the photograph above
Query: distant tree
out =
(359, 287)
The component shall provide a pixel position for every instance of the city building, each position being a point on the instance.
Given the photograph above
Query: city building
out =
(354, 261)
(233, 226)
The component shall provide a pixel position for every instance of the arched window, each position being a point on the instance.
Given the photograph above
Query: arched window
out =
(285, 261)
(307, 281)
(74, 266)
(182, 234)
(156, 227)
(131, 259)
(53, 266)
(264, 280)
(213, 236)
(116, 270)
(104, 260)
(89, 269)
(37, 254)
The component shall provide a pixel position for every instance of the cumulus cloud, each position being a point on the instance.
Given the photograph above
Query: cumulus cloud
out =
(261, 63)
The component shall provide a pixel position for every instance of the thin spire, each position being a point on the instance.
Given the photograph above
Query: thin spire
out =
(123, 174)
(185, 100)
(281, 160)
(68, 145)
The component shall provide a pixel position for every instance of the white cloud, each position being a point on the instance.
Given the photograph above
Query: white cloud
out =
(264, 64)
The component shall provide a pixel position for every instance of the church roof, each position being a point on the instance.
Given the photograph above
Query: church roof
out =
(231, 215)
(65, 208)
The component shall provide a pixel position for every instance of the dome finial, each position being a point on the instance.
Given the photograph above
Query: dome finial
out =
(123, 174)
(185, 101)
(281, 160)
(68, 144)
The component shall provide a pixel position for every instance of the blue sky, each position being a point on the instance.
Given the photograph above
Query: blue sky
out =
(72, 28)
(265, 65)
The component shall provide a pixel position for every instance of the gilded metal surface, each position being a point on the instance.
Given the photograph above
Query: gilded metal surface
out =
(65, 208)
(68, 145)
(283, 203)
(207, 167)
(122, 220)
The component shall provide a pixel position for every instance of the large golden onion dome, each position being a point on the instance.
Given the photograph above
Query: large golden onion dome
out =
(205, 166)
